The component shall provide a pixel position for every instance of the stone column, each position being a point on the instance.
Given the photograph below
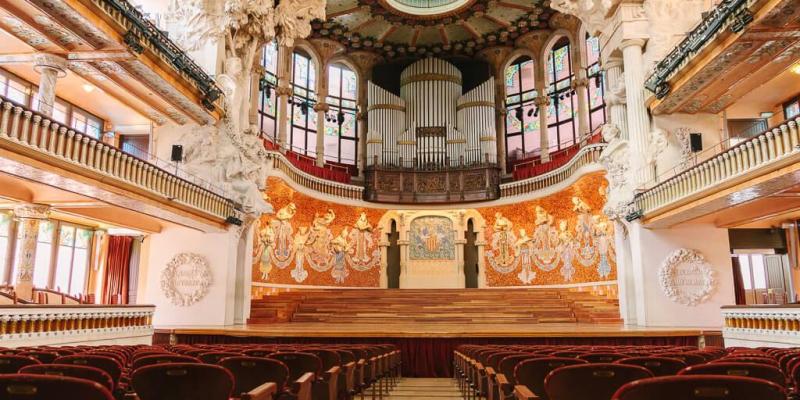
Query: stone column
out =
(283, 93)
(50, 67)
(638, 118)
(542, 102)
(28, 216)
(500, 122)
(321, 109)
(363, 123)
(615, 96)
(580, 85)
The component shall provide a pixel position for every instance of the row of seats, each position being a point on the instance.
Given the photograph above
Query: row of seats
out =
(199, 372)
(502, 372)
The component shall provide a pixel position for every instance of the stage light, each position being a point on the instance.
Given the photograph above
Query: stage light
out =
(518, 114)
(796, 68)
(88, 88)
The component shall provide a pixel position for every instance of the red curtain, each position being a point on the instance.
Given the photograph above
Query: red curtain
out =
(115, 279)
(738, 285)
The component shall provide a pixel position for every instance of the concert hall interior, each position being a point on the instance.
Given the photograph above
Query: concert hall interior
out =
(399, 199)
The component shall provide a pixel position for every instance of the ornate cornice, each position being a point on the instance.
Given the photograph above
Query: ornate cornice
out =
(475, 104)
(33, 211)
(50, 61)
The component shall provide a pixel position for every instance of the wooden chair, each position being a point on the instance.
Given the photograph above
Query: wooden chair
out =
(179, 381)
(45, 387)
(700, 387)
(659, 366)
(762, 371)
(591, 381)
(10, 364)
(74, 371)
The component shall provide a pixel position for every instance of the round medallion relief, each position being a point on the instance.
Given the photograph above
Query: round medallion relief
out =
(687, 278)
(186, 279)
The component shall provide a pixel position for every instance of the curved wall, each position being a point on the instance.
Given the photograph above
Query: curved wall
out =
(559, 239)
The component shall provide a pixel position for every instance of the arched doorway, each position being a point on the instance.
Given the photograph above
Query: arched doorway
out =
(393, 258)
(470, 256)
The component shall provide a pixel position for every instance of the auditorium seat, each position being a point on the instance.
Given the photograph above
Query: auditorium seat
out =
(44, 387)
(659, 366)
(75, 371)
(324, 385)
(751, 359)
(182, 381)
(753, 370)
(251, 372)
(10, 364)
(601, 357)
(700, 387)
(213, 357)
(109, 365)
(162, 359)
(44, 357)
(531, 373)
(689, 359)
(591, 381)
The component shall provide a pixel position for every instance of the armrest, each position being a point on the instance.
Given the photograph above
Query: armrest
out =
(302, 386)
(331, 374)
(506, 389)
(263, 392)
(521, 392)
(349, 373)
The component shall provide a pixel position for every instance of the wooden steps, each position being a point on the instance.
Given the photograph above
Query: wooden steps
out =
(467, 306)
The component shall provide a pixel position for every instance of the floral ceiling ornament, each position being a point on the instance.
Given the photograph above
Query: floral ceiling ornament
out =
(687, 278)
(186, 279)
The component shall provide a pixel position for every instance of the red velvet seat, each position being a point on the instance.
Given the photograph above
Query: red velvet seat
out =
(659, 366)
(74, 371)
(700, 387)
(755, 360)
(251, 372)
(689, 359)
(258, 352)
(533, 371)
(105, 363)
(182, 381)
(44, 387)
(162, 359)
(762, 371)
(299, 363)
(213, 357)
(44, 357)
(591, 381)
(10, 364)
(601, 357)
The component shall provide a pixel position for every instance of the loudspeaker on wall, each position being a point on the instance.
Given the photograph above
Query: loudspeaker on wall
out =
(696, 142)
(177, 153)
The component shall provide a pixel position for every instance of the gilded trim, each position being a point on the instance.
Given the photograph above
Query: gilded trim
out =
(375, 141)
(475, 104)
(431, 77)
(488, 138)
(407, 142)
(456, 141)
(395, 107)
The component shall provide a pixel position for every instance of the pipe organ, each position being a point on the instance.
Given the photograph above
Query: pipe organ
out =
(431, 125)
(432, 143)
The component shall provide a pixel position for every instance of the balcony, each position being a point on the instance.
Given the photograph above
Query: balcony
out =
(32, 146)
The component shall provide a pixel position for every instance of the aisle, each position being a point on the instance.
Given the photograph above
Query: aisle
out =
(425, 388)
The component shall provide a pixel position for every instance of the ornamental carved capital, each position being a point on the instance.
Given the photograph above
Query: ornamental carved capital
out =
(283, 90)
(578, 83)
(33, 211)
(47, 61)
(542, 101)
(324, 107)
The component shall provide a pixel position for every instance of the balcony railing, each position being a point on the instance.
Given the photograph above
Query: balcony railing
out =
(49, 139)
(336, 189)
(765, 325)
(142, 33)
(765, 149)
(587, 156)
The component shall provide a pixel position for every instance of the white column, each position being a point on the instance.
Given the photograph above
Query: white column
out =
(363, 125)
(579, 84)
(542, 102)
(615, 96)
(28, 216)
(283, 93)
(321, 109)
(638, 118)
(50, 67)
(500, 122)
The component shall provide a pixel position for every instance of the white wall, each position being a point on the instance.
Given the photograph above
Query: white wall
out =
(708, 125)
(220, 249)
(650, 248)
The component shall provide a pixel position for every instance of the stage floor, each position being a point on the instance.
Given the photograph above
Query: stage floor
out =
(438, 330)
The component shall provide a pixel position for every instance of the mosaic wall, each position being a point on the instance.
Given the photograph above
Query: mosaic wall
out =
(558, 239)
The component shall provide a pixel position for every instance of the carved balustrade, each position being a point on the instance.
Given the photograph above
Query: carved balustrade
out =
(761, 151)
(753, 326)
(32, 134)
(291, 172)
(27, 325)
(587, 158)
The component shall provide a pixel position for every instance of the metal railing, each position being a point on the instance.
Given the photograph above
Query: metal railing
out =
(731, 161)
(587, 155)
(37, 132)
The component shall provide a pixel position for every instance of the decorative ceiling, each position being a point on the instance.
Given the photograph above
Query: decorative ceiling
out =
(418, 28)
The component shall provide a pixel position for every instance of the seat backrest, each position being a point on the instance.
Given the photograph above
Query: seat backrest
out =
(75, 371)
(163, 359)
(330, 358)
(688, 358)
(251, 372)
(601, 357)
(591, 381)
(659, 366)
(10, 364)
(532, 372)
(507, 364)
(493, 360)
(753, 360)
(213, 357)
(44, 387)
(299, 363)
(182, 381)
(258, 352)
(700, 387)
(44, 357)
(346, 356)
(762, 371)
(111, 366)
(567, 354)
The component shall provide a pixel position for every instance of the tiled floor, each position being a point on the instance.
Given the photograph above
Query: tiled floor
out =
(425, 388)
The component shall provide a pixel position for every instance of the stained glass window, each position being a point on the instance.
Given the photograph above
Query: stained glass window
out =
(5, 234)
(563, 103)
(522, 120)
(303, 135)
(791, 109)
(597, 105)
(268, 100)
(341, 139)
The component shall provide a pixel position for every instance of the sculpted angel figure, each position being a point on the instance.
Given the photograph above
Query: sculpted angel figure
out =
(300, 239)
(340, 245)
(323, 221)
(286, 212)
(543, 217)
(566, 244)
(523, 249)
(267, 239)
(580, 206)
(362, 223)
(501, 223)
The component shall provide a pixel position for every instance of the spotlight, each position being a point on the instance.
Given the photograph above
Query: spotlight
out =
(304, 108)
(518, 114)
(340, 118)
(88, 88)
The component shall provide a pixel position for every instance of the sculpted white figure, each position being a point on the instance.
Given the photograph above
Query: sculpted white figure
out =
(591, 12)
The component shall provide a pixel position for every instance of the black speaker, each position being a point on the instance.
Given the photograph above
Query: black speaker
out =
(696, 142)
(177, 153)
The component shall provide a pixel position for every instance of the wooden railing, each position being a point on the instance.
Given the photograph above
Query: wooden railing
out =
(22, 130)
(336, 189)
(765, 325)
(587, 156)
(31, 325)
(758, 152)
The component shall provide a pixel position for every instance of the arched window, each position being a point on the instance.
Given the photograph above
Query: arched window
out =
(341, 130)
(267, 99)
(597, 105)
(303, 118)
(522, 120)
(563, 104)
